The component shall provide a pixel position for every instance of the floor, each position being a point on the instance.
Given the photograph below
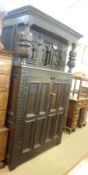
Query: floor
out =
(57, 160)
(80, 168)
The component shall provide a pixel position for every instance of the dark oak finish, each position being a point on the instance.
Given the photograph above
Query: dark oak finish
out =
(39, 92)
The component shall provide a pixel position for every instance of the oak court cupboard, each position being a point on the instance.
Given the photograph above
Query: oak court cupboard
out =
(39, 92)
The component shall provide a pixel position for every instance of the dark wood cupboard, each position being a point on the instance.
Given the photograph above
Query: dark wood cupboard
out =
(39, 91)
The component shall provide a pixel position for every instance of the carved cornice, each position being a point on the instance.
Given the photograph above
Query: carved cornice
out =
(35, 17)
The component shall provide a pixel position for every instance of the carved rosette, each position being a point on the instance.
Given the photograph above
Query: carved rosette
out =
(72, 58)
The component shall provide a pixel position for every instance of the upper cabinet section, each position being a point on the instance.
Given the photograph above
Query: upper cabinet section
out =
(38, 37)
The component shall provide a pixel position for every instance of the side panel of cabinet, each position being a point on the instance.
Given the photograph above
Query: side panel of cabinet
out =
(12, 117)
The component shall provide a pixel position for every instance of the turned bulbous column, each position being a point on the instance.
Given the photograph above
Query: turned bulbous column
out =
(72, 58)
(24, 45)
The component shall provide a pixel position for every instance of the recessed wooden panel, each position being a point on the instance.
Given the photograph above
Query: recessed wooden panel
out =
(51, 124)
(56, 97)
(44, 98)
(4, 81)
(40, 131)
(53, 97)
(32, 99)
(58, 126)
(61, 95)
(28, 136)
(3, 100)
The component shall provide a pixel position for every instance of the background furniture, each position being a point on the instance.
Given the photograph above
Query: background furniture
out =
(78, 104)
(76, 114)
(39, 92)
(5, 73)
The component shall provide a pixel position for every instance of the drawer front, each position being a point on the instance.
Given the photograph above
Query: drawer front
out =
(4, 81)
(5, 65)
(3, 143)
(3, 100)
(2, 118)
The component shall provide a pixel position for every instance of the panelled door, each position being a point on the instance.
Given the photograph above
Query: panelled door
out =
(36, 107)
(30, 115)
(43, 110)
(40, 118)
(56, 111)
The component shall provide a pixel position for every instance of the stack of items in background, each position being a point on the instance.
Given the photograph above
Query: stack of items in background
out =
(78, 103)
(5, 72)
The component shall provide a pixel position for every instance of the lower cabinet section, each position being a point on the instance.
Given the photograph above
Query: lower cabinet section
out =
(41, 131)
(36, 113)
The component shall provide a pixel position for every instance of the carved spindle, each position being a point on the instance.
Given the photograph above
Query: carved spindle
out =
(24, 46)
(72, 58)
